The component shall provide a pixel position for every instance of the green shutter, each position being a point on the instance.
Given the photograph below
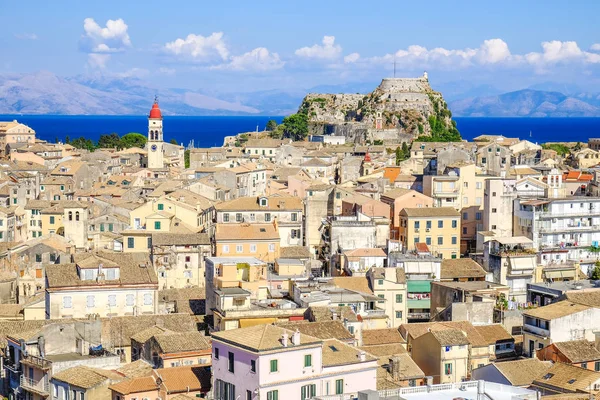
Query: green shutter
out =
(418, 286)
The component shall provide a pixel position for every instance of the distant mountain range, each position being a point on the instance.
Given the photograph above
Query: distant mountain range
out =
(46, 93)
(528, 103)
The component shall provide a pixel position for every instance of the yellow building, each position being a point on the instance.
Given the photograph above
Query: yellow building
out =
(438, 227)
(136, 240)
(462, 188)
(248, 240)
(444, 355)
(390, 285)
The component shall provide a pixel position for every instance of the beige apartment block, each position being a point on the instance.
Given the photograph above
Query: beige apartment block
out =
(390, 285)
(443, 354)
(398, 199)
(438, 227)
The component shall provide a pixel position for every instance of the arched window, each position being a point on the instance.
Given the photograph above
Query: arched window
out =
(70, 215)
(77, 216)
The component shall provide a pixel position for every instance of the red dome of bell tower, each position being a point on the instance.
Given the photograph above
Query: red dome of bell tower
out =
(155, 111)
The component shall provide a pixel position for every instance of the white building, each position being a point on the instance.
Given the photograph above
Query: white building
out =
(273, 363)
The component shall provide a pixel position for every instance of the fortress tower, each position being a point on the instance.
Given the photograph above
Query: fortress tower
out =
(155, 137)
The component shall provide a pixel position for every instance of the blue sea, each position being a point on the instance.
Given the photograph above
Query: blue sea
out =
(207, 131)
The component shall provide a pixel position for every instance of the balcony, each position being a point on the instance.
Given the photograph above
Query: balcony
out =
(583, 212)
(536, 330)
(40, 387)
(36, 361)
(446, 193)
(419, 315)
(571, 227)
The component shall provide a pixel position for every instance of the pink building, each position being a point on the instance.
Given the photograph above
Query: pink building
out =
(273, 363)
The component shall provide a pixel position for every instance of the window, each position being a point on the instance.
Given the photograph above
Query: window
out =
(464, 230)
(225, 248)
(252, 248)
(399, 314)
(68, 303)
(339, 386)
(52, 257)
(478, 216)
(338, 195)
(157, 225)
(226, 217)
(187, 274)
(465, 215)
(399, 298)
(448, 369)
(478, 201)
(147, 299)
(253, 365)
(112, 300)
(230, 362)
(465, 200)
(51, 220)
(308, 391)
(271, 247)
(428, 240)
(307, 360)
(274, 366)
(294, 217)
(252, 217)
(440, 240)
(130, 243)
(161, 206)
(454, 223)
(417, 225)
(382, 297)
(38, 258)
(267, 217)
(91, 301)
(380, 282)
(76, 215)
(454, 240)
(478, 185)
(149, 242)
(216, 353)
(70, 215)
(584, 365)
(129, 300)
(273, 395)
(440, 224)
(494, 210)
(110, 227)
(483, 160)
(597, 366)
(238, 217)
(101, 227)
(239, 248)
(493, 194)
(493, 226)
(428, 224)
(466, 184)
(248, 395)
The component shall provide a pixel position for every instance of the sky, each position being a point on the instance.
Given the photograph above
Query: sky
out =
(245, 46)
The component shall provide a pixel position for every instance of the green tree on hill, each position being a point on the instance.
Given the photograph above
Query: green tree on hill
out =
(295, 126)
(83, 143)
(271, 125)
(174, 141)
(133, 139)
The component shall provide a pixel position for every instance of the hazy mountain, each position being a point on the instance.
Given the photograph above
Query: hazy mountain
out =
(524, 103)
(45, 93)
(457, 90)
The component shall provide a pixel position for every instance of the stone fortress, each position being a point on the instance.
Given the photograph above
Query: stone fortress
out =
(396, 111)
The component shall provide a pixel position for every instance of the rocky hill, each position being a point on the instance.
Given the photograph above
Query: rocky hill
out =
(399, 109)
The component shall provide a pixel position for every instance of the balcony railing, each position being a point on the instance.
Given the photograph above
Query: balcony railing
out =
(40, 387)
(586, 212)
(570, 227)
(36, 361)
(419, 315)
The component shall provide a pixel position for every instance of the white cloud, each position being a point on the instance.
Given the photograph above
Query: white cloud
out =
(493, 51)
(328, 50)
(166, 71)
(98, 61)
(351, 58)
(259, 59)
(26, 36)
(133, 73)
(199, 48)
(110, 39)
(595, 47)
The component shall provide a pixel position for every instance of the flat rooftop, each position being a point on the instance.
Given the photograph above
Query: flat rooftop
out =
(563, 286)
(473, 285)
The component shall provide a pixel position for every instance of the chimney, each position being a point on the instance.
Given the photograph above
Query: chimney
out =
(480, 388)
(296, 338)
(284, 339)
(597, 339)
(334, 315)
(42, 346)
(429, 382)
(362, 355)
(395, 368)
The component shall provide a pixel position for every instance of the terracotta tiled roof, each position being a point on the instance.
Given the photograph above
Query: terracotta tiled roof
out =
(354, 283)
(372, 337)
(176, 342)
(170, 239)
(493, 333)
(589, 298)
(430, 212)
(384, 350)
(450, 337)
(274, 203)
(578, 350)
(135, 385)
(87, 377)
(567, 378)
(136, 369)
(320, 330)
(261, 338)
(461, 268)
(336, 353)
(556, 310)
(246, 231)
(367, 252)
(522, 372)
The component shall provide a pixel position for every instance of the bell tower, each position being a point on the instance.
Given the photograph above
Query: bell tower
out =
(155, 137)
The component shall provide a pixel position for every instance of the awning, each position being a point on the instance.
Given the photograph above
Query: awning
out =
(559, 274)
(245, 323)
(522, 263)
(424, 303)
(418, 286)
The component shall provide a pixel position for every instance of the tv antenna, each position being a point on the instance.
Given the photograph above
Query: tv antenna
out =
(394, 66)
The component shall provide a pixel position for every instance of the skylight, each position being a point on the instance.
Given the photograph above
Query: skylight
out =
(333, 348)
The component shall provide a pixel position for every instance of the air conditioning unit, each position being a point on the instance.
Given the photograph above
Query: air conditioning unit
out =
(416, 229)
(427, 230)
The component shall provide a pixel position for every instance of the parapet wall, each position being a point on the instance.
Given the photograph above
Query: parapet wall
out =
(405, 85)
